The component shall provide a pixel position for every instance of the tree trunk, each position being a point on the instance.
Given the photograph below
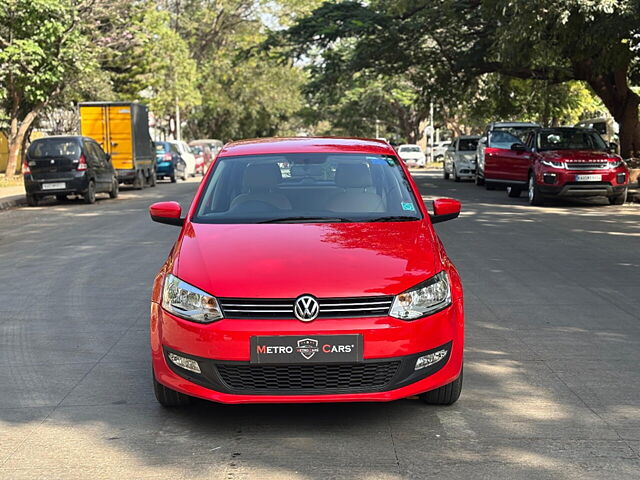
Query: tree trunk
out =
(622, 102)
(17, 132)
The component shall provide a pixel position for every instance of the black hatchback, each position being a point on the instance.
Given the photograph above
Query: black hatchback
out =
(68, 165)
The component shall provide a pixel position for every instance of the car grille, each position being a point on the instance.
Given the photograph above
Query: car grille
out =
(283, 308)
(308, 378)
(587, 166)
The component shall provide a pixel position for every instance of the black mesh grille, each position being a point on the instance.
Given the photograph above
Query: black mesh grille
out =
(308, 378)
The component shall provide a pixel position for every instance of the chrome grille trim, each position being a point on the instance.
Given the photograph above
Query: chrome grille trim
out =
(587, 165)
(280, 308)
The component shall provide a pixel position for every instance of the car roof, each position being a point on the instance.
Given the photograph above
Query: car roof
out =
(62, 137)
(306, 145)
(513, 124)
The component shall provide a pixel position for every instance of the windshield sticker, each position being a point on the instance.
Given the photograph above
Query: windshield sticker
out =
(376, 160)
(408, 206)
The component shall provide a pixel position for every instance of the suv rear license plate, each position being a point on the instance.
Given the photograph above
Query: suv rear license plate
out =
(54, 186)
(307, 349)
(588, 178)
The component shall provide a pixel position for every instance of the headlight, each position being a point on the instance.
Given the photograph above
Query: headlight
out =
(426, 298)
(188, 302)
(550, 163)
(615, 163)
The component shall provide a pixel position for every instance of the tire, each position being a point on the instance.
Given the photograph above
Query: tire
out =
(173, 178)
(32, 200)
(514, 192)
(456, 177)
(169, 398)
(90, 195)
(478, 180)
(533, 192)
(445, 174)
(489, 185)
(618, 199)
(446, 395)
(153, 179)
(61, 197)
(115, 189)
(138, 183)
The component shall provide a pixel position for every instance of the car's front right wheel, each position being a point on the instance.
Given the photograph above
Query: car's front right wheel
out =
(533, 192)
(445, 395)
(168, 397)
(618, 199)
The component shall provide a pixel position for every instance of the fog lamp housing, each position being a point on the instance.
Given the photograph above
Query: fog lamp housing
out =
(621, 178)
(183, 362)
(430, 359)
(549, 178)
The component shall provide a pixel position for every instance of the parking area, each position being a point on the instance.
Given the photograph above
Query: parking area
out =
(552, 384)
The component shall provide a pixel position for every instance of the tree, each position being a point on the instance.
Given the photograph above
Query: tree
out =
(41, 49)
(458, 41)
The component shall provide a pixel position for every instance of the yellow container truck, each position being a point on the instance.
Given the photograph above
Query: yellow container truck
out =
(122, 129)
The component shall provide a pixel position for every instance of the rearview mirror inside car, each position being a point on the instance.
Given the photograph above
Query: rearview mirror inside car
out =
(166, 212)
(445, 209)
(519, 147)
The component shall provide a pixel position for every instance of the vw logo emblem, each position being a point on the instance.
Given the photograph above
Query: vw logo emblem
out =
(306, 308)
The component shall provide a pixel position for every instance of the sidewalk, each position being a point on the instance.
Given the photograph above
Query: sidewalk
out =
(12, 197)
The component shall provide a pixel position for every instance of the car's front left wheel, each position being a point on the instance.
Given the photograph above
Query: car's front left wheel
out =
(168, 397)
(445, 395)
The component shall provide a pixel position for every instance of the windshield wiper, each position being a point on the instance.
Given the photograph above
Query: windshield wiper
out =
(397, 218)
(306, 220)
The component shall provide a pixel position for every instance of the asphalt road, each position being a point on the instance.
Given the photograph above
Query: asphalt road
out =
(552, 372)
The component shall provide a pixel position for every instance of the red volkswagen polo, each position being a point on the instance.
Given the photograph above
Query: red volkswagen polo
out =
(307, 270)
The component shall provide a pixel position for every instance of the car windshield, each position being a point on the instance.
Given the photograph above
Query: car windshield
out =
(503, 139)
(307, 188)
(468, 144)
(196, 149)
(410, 149)
(55, 147)
(160, 147)
(566, 139)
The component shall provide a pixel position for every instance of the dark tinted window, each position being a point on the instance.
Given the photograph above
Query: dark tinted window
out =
(467, 144)
(255, 188)
(55, 147)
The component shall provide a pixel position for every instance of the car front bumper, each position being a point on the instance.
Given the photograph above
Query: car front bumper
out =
(565, 183)
(223, 347)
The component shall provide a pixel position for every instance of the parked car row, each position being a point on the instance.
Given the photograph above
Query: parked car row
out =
(544, 162)
(77, 165)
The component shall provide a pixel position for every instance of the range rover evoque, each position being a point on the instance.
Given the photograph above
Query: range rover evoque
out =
(307, 270)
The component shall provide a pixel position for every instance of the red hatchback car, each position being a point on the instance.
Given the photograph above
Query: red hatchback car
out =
(307, 270)
(560, 162)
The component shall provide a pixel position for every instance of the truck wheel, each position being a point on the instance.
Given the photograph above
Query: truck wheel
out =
(90, 194)
(152, 179)
(115, 189)
(514, 192)
(446, 395)
(169, 398)
(32, 200)
(535, 197)
(139, 182)
(618, 199)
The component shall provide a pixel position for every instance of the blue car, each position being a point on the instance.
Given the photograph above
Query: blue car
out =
(169, 164)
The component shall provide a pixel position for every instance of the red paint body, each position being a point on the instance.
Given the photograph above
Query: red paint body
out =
(322, 259)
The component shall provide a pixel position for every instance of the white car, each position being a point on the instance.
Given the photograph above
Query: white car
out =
(189, 158)
(412, 155)
(439, 148)
(460, 158)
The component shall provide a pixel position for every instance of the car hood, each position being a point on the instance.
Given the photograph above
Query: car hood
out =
(325, 260)
(577, 155)
(467, 155)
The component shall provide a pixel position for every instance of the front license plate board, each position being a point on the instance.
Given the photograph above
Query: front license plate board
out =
(54, 186)
(588, 178)
(301, 349)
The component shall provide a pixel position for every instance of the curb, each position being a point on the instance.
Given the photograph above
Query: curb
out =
(12, 201)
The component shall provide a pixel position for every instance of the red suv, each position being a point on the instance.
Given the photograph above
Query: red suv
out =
(307, 270)
(563, 162)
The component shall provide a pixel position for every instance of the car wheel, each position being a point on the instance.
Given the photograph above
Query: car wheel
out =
(90, 194)
(173, 178)
(61, 197)
(115, 189)
(514, 192)
(618, 199)
(446, 395)
(32, 200)
(479, 181)
(139, 182)
(535, 198)
(456, 177)
(445, 174)
(168, 397)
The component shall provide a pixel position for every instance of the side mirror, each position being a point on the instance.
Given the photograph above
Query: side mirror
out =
(613, 147)
(445, 209)
(166, 212)
(519, 147)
